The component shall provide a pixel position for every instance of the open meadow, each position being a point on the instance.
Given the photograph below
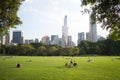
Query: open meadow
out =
(53, 68)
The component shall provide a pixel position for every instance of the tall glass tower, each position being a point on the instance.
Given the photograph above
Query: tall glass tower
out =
(65, 32)
(17, 37)
(93, 28)
(80, 37)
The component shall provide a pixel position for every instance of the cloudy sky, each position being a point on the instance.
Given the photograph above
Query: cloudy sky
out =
(45, 17)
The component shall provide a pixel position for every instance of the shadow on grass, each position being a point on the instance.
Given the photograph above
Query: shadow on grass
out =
(117, 58)
(12, 67)
(60, 67)
(63, 67)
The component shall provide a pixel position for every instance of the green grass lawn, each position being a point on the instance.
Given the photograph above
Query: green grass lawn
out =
(52, 68)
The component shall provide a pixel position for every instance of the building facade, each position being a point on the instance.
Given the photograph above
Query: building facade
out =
(93, 28)
(54, 39)
(69, 41)
(36, 40)
(5, 39)
(65, 32)
(17, 37)
(88, 38)
(45, 40)
(81, 37)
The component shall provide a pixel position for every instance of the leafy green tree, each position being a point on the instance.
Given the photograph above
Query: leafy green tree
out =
(114, 34)
(8, 14)
(116, 48)
(2, 49)
(63, 51)
(52, 50)
(37, 45)
(13, 50)
(41, 51)
(107, 12)
(29, 49)
(84, 47)
(75, 51)
(23, 49)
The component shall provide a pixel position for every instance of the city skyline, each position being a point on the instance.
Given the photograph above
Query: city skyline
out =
(47, 20)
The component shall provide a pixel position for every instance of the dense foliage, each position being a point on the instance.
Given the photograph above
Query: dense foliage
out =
(106, 47)
(8, 14)
(38, 49)
(108, 13)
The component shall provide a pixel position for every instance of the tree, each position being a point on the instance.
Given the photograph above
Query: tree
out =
(41, 51)
(107, 12)
(37, 45)
(114, 34)
(8, 15)
(84, 47)
(75, 51)
(52, 50)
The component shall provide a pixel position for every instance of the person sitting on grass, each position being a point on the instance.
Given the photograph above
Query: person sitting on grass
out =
(19, 65)
(89, 60)
(74, 64)
(70, 63)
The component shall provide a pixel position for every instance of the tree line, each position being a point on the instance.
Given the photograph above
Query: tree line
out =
(106, 47)
(38, 49)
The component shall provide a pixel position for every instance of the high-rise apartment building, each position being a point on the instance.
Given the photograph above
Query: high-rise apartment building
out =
(69, 41)
(28, 41)
(81, 37)
(93, 28)
(36, 40)
(5, 39)
(65, 32)
(54, 39)
(45, 40)
(88, 38)
(17, 37)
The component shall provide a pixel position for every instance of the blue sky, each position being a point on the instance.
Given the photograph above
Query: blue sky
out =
(45, 17)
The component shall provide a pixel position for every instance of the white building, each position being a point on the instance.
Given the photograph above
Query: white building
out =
(93, 28)
(5, 39)
(65, 32)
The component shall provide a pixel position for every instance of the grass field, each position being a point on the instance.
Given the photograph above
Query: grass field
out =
(52, 68)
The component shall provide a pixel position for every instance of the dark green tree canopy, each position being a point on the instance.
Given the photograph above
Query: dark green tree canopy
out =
(8, 14)
(107, 12)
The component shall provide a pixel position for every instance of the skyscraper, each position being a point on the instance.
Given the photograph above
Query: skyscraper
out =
(17, 37)
(93, 28)
(80, 37)
(36, 40)
(69, 41)
(88, 36)
(54, 39)
(65, 32)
